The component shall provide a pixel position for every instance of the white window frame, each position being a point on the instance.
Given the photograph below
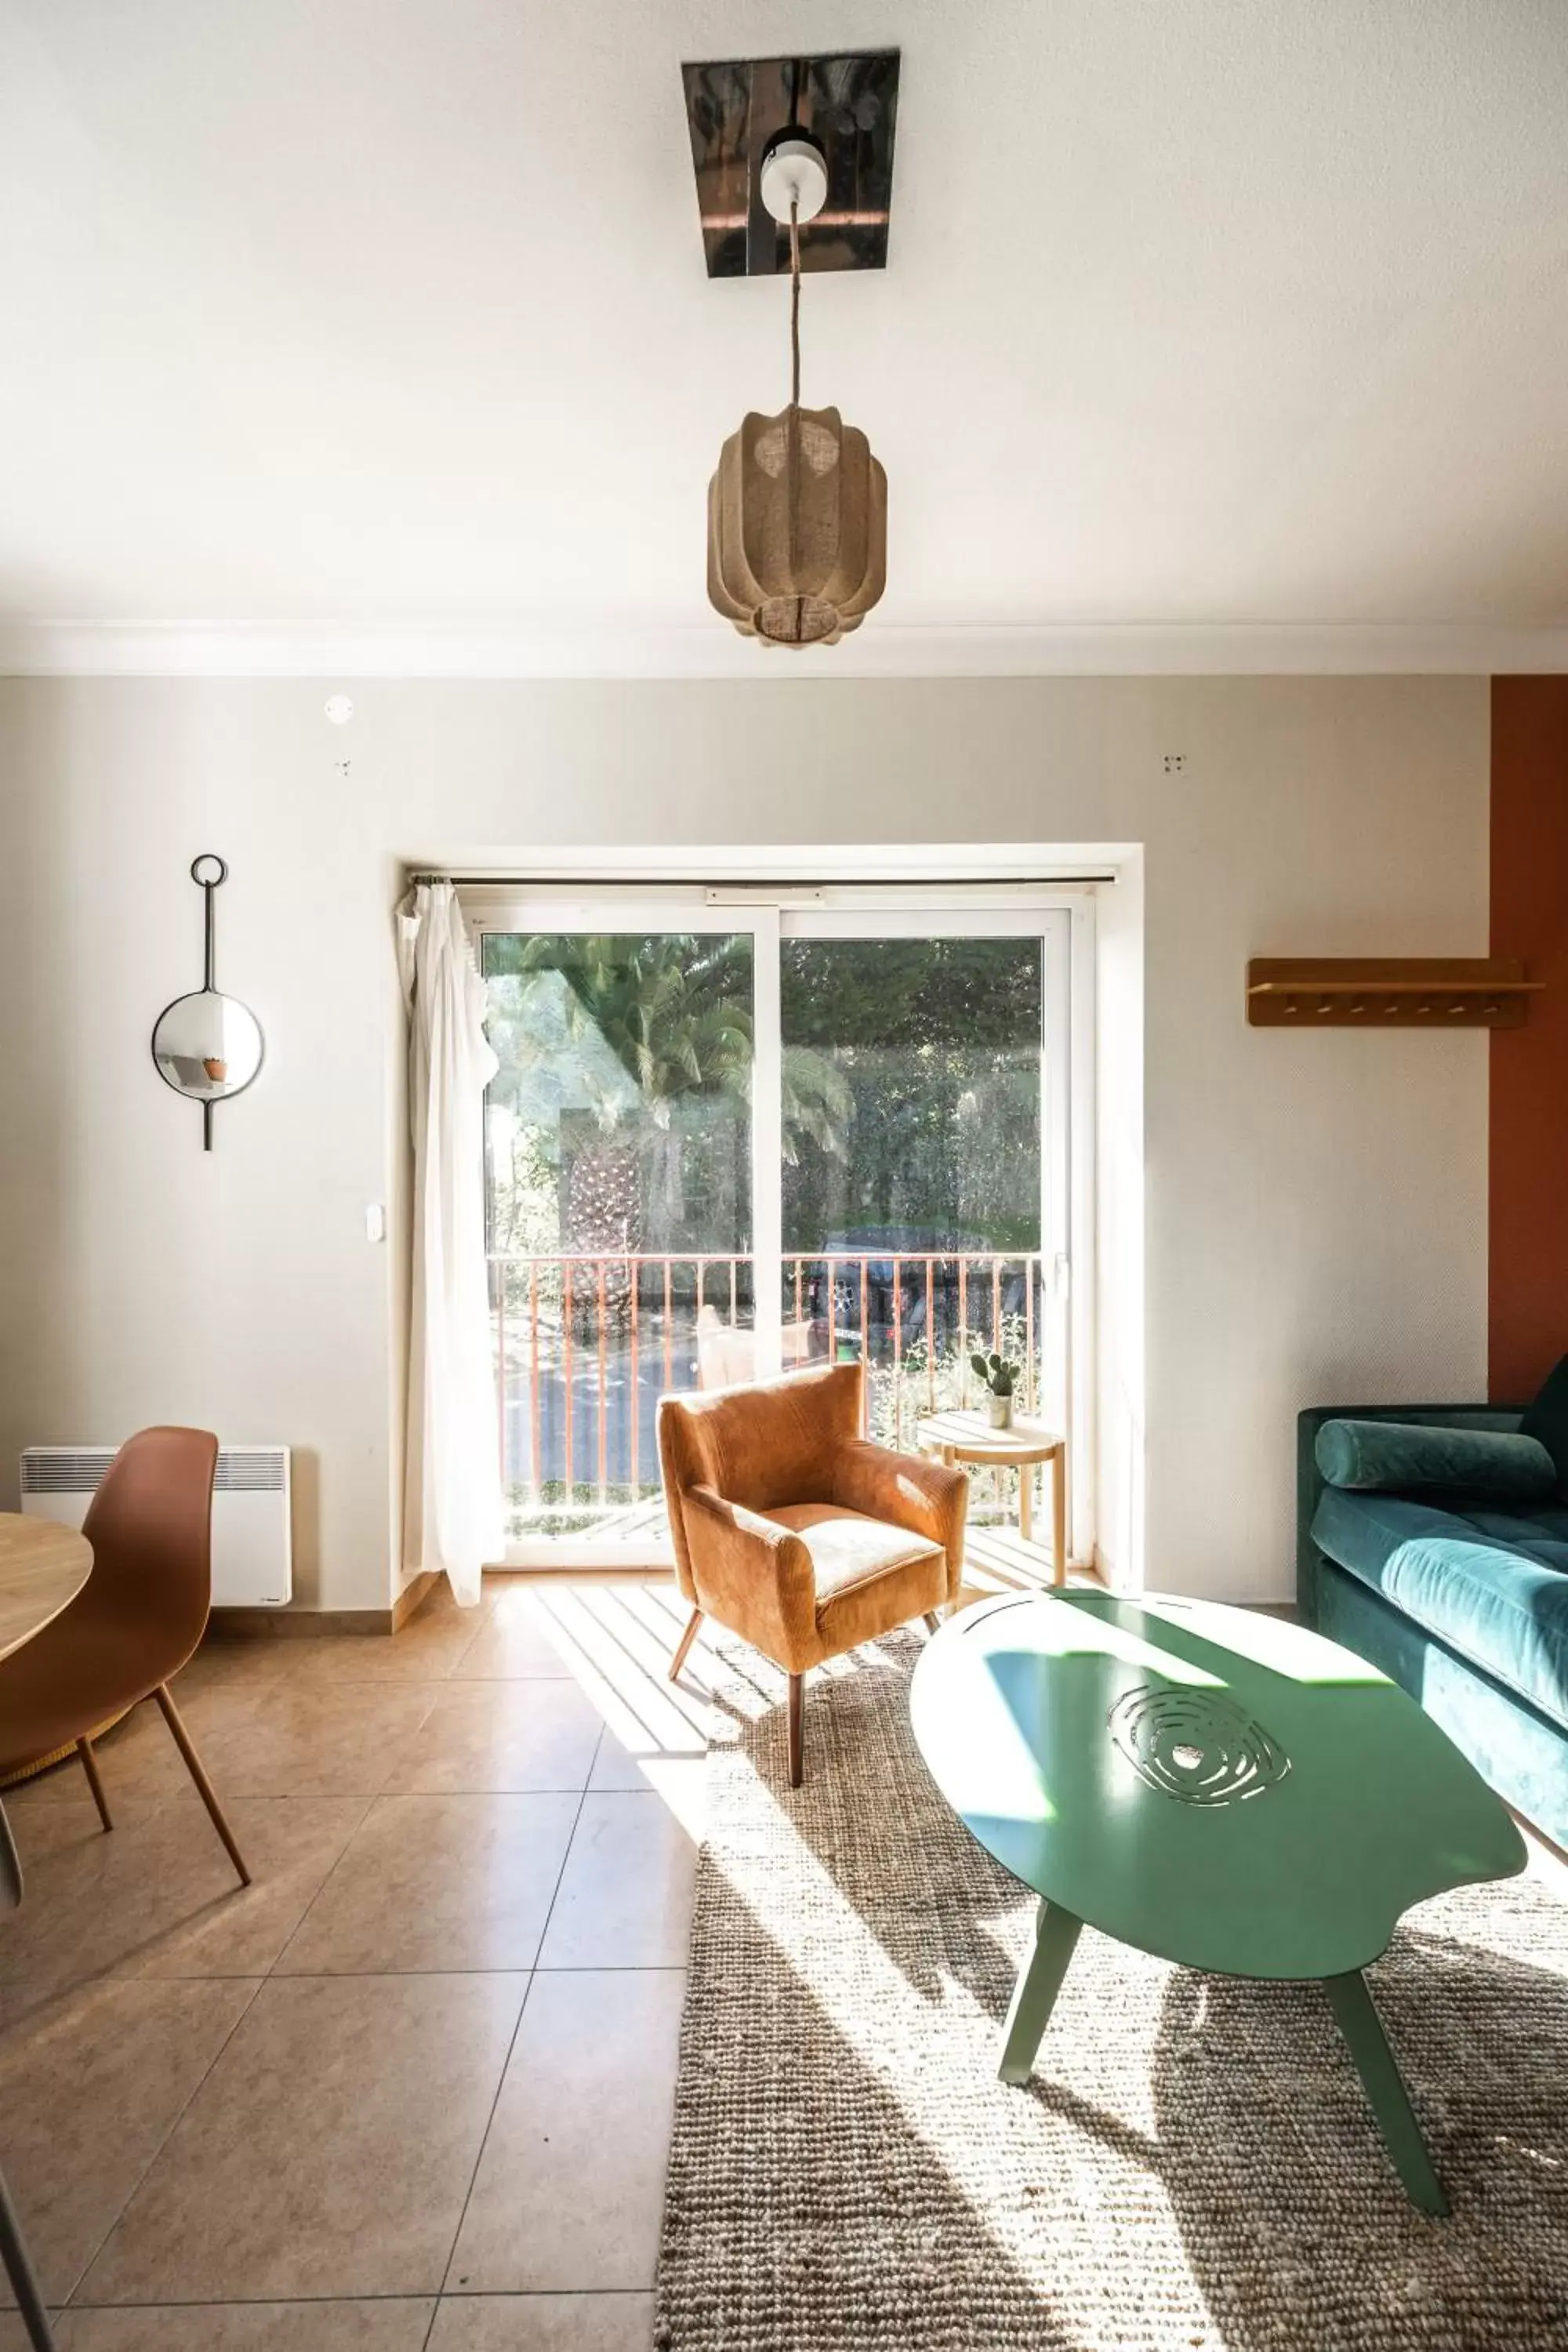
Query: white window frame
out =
(1064, 917)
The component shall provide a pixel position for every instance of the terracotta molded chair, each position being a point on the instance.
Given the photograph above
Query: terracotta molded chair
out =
(135, 1621)
(793, 1532)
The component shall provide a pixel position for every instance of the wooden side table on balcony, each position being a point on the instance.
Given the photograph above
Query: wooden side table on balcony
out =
(968, 1437)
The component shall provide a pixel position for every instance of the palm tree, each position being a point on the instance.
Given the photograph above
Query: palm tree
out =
(673, 1011)
(670, 1007)
(665, 1004)
(818, 1103)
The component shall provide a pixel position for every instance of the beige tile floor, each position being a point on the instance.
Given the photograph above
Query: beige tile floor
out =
(413, 2088)
(410, 2092)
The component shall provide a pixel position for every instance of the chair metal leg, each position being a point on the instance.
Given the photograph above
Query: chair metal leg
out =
(13, 2247)
(796, 1728)
(19, 2270)
(10, 1866)
(684, 1644)
(94, 1779)
(203, 1786)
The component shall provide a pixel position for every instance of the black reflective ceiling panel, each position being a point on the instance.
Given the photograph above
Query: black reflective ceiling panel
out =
(849, 102)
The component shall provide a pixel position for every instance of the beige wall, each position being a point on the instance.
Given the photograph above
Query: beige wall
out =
(1314, 1220)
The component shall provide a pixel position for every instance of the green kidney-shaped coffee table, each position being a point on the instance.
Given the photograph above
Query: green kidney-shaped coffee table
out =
(1209, 1784)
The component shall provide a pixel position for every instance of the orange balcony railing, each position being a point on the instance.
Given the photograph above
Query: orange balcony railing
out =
(586, 1343)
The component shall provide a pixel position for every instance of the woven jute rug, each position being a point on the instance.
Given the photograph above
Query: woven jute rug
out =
(1193, 2166)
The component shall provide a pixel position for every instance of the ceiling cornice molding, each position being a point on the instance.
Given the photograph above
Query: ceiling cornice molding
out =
(174, 649)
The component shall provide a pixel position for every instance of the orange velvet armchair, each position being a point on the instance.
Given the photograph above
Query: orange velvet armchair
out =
(796, 1534)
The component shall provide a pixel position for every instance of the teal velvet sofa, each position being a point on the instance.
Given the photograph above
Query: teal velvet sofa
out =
(1461, 1600)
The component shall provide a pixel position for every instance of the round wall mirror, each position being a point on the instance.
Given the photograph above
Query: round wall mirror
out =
(207, 1044)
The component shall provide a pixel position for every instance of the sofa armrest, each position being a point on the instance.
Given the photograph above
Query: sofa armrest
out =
(907, 1490)
(753, 1575)
(1310, 1480)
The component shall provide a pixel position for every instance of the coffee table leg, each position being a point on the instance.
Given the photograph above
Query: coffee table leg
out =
(1034, 1995)
(1026, 1501)
(1384, 2087)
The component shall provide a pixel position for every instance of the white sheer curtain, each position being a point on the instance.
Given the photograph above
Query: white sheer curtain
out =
(454, 1514)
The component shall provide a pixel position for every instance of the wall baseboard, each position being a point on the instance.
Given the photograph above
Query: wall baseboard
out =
(412, 1597)
(303, 1624)
(294, 1625)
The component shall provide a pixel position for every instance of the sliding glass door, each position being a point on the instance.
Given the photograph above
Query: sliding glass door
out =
(619, 1189)
(919, 1179)
(729, 1140)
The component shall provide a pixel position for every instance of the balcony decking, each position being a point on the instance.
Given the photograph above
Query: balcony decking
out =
(996, 1559)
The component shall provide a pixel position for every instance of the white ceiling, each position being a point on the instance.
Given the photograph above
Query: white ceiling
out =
(381, 327)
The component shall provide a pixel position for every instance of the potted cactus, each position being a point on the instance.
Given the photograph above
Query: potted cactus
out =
(1000, 1376)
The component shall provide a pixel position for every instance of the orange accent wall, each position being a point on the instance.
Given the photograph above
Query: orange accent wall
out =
(1529, 1223)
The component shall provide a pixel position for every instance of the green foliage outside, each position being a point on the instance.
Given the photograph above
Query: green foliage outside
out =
(911, 1090)
(674, 1010)
(628, 1087)
(938, 1042)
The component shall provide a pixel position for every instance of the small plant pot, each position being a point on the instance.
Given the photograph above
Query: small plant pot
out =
(215, 1068)
(1000, 1411)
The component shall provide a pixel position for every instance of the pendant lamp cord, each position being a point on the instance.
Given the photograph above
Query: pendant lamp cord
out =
(795, 406)
(794, 303)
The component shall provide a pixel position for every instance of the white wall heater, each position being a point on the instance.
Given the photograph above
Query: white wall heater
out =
(253, 1558)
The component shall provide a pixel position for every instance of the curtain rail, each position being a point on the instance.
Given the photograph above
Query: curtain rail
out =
(656, 883)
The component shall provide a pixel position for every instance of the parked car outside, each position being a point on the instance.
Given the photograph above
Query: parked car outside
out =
(833, 1291)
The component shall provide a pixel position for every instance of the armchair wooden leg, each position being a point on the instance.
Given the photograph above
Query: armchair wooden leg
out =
(684, 1644)
(796, 1728)
(203, 1786)
(90, 1766)
(934, 1623)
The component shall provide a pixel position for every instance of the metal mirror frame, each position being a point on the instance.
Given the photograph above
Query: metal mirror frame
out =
(208, 884)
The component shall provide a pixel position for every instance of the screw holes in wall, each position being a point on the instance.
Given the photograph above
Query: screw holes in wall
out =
(339, 710)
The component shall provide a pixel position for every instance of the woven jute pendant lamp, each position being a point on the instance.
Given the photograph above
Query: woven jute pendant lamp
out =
(797, 511)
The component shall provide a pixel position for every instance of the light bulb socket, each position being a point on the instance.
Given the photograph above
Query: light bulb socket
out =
(792, 170)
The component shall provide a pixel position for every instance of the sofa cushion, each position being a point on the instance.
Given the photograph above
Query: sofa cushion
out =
(1498, 1601)
(1547, 1421)
(1543, 1534)
(1399, 1456)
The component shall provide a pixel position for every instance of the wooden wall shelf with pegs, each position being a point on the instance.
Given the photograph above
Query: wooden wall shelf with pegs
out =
(1387, 992)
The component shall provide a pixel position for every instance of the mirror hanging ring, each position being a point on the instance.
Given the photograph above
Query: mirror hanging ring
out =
(206, 1045)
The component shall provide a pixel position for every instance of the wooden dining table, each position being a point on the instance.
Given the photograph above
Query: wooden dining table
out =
(43, 1567)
